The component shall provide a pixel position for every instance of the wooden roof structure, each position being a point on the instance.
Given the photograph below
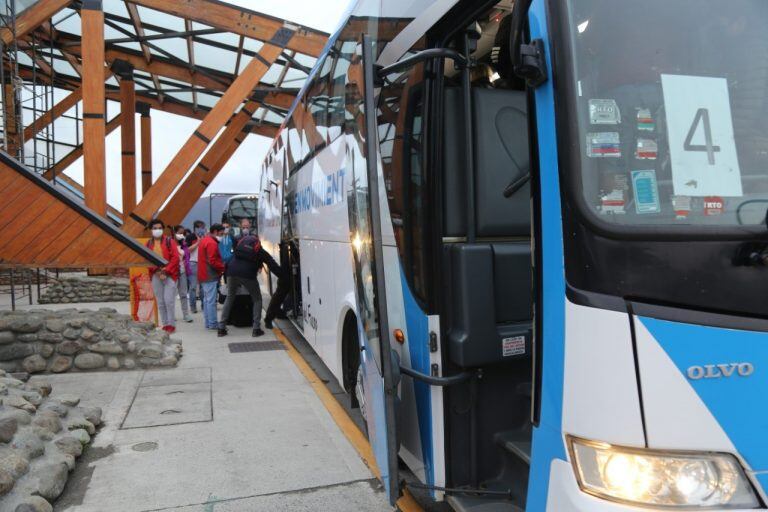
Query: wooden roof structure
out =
(235, 70)
(32, 204)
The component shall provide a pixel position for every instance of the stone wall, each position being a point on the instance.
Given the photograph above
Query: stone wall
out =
(86, 289)
(40, 438)
(72, 339)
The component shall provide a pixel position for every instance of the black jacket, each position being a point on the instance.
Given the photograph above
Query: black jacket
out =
(249, 257)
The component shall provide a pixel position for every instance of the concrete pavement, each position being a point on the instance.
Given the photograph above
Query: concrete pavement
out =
(234, 432)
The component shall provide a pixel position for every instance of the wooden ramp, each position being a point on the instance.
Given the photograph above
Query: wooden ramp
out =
(44, 225)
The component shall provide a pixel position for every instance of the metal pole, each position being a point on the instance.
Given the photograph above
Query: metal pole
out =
(13, 293)
(29, 286)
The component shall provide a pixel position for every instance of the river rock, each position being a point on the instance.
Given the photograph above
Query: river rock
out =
(81, 435)
(8, 426)
(106, 347)
(50, 337)
(61, 364)
(13, 462)
(69, 400)
(89, 335)
(6, 482)
(150, 350)
(29, 443)
(18, 402)
(89, 361)
(69, 444)
(55, 325)
(6, 337)
(46, 350)
(27, 338)
(70, 333)
(92, 414)
(34, 504)
(27, 323)
(15, 351)
(56, 407)
(81, 424)
(51, 480)
(95, 324)
(34, 363)
(21, 417)
(48, 420)
(69, 347)
(129, 364)
(113, 363)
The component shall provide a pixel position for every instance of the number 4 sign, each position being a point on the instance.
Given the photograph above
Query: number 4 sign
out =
(701, 142)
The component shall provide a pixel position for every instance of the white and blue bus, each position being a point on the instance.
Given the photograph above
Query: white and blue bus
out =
(530, 240)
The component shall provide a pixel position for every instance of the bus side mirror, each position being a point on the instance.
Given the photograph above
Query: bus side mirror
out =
(527, 59)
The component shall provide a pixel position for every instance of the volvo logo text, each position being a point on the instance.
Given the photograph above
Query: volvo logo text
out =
(717, 371)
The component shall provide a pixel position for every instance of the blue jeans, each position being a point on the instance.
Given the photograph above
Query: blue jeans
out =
(193, 286)
(210, 293)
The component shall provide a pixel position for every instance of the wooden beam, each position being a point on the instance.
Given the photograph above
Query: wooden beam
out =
(206, 171)
(94, 129)
(178, 167)
(58, 168)
(146, 150)
(128, 141)
(242, 22)
(10, 126)
(33, 17)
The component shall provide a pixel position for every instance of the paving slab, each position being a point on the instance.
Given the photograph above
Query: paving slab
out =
(171, 404)
(176, 376)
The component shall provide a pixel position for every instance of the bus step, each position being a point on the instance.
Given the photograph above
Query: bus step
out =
(476, 504)
(516, 442)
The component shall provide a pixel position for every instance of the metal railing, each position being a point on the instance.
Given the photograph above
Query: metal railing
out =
(21, 284)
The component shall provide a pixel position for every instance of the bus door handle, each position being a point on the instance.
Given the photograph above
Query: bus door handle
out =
(440, 381)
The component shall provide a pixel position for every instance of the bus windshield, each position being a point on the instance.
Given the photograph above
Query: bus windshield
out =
(671, 100)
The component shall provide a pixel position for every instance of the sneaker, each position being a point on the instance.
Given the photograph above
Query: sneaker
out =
(268, 323)
(257, 332)
(194, 310)
(188, 319)
(222, 331)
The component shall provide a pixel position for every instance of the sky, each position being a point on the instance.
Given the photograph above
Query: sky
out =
(170, 132)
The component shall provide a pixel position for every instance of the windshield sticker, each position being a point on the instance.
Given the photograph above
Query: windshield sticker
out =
(604, 112)
(714, 205)
(682, 206)
(646, 149)
(603, 145)
(645, 122)
(701, 140)
(646, 191)
(613, 203)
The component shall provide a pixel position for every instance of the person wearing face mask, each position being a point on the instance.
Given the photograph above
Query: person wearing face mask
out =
(164, 279)
(185, 270)
(210, 268)
(245, 230)
(193, 239)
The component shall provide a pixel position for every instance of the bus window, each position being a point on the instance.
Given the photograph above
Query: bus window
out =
(401, 139)
(317, 106)
(337, 114)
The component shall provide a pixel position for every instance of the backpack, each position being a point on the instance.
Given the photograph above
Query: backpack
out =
(248, 248)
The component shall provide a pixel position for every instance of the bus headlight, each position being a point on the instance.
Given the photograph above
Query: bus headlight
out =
(664, 479)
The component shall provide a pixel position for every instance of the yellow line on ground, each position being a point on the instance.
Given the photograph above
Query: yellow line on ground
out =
(358, 440)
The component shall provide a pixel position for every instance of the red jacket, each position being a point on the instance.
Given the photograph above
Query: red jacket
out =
(208, 257)
(170, 254)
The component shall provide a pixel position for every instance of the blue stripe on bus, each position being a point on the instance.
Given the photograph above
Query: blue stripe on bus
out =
(547, 437)
(418, 348)
(735, 401)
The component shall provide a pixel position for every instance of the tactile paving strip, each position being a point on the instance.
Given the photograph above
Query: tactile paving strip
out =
(255, 346)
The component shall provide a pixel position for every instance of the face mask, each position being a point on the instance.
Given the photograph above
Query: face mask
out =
(200, 232)
(245, 231)
(157, 233)
(226, 231)
(179, 237)
(218, 237)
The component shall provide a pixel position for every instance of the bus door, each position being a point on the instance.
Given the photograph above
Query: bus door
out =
(378, 363)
